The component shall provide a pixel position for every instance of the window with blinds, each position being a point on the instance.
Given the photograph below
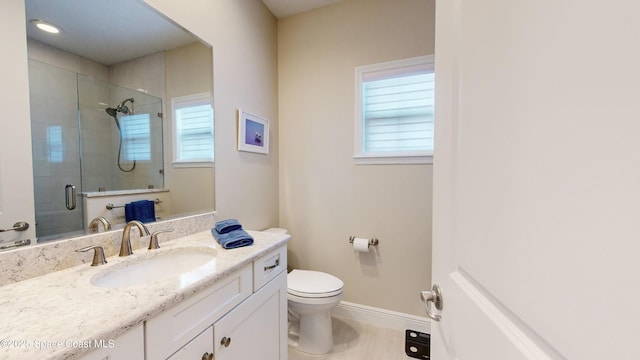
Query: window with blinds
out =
(193, 129)
(54, 144)
(136, 137)
(394, 115)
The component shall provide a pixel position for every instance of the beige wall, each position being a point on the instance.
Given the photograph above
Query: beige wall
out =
(65, 60)
(243, 36)
(324, 197)
(15, 150)
(188, 71)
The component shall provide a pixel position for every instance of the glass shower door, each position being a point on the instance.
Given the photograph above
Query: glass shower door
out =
(55, 143)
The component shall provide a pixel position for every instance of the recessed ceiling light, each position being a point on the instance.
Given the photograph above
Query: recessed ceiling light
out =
(45, 26)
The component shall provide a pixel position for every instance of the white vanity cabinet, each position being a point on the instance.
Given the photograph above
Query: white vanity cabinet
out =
(242, 316)
(127, 346)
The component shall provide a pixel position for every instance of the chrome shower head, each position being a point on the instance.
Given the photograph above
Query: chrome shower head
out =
(121, 108)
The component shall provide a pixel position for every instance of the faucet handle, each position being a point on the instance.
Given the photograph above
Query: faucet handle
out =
(153, 243)
(98, 254)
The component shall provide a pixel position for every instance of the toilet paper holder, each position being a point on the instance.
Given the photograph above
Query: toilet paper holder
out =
(372, 241)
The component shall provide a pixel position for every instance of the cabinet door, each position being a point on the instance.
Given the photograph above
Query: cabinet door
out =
(128, 346)
(257, 328)
(199, 348)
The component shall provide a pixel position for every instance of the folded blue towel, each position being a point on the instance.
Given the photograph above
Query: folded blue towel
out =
(225, 226)
(233, 239)
(142, 210)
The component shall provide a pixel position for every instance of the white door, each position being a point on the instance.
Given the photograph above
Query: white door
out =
(537, 180)
(16, 181)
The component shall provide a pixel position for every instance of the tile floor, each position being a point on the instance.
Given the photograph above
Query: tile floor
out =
(356, 341)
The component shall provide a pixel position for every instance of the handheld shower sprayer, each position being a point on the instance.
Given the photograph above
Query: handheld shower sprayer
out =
(113, 112)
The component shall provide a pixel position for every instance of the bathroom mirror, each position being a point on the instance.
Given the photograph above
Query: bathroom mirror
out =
(101, 107)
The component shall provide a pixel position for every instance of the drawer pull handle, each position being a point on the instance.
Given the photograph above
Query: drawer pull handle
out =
(271, 267)
(225, 341)
(207, 356)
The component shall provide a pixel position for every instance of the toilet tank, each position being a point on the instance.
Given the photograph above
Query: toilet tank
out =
(276, 230)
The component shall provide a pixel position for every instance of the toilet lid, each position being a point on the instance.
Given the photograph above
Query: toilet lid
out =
(307, 283)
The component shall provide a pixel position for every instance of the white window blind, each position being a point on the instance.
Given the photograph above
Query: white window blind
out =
(394, 118)
(54, 143)
(136, 137)
(194, 131)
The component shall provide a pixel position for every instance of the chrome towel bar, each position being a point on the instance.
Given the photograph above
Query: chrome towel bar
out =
(110, 206)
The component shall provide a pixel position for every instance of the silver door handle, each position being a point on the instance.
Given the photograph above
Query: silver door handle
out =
(19, 226)
(434, 296)
(70, 196)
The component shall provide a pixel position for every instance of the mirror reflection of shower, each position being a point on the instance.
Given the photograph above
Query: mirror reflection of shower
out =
(113, 112)
(74, 141)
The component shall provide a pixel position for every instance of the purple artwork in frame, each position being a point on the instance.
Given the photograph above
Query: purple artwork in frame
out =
(253, 133)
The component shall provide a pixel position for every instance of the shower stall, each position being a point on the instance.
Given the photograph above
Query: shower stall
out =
(88, 136)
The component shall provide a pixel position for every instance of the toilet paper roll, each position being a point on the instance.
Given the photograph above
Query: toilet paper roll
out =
(361, 245)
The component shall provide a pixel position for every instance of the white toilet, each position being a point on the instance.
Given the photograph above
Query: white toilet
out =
(311, 295)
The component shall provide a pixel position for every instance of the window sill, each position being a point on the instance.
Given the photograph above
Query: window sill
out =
(193, 164)
(392, 159)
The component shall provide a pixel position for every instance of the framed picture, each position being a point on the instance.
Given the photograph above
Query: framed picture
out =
(253, 133)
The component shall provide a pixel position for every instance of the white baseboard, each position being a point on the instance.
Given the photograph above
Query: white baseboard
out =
(381, 317)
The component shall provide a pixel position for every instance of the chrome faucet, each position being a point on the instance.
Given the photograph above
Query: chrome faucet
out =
(125, 248)
(94, 225)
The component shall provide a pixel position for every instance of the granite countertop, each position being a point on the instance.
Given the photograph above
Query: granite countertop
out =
(42, 317)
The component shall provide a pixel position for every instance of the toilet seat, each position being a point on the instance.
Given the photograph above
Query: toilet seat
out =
(313, 284)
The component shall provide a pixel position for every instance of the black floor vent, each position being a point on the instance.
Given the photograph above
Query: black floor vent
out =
(417, 345)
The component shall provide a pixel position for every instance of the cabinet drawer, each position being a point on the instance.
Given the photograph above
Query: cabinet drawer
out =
(197, 348)
(171, 330)
(269, 266)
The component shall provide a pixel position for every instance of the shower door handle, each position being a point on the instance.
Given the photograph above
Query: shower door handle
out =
(70, 196)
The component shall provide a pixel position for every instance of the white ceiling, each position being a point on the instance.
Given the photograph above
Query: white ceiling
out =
(113, 31)
(108, 32)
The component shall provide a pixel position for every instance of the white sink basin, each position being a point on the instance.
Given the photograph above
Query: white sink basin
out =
(154, 266)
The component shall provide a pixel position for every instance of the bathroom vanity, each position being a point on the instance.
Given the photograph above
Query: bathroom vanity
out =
(231, 307)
